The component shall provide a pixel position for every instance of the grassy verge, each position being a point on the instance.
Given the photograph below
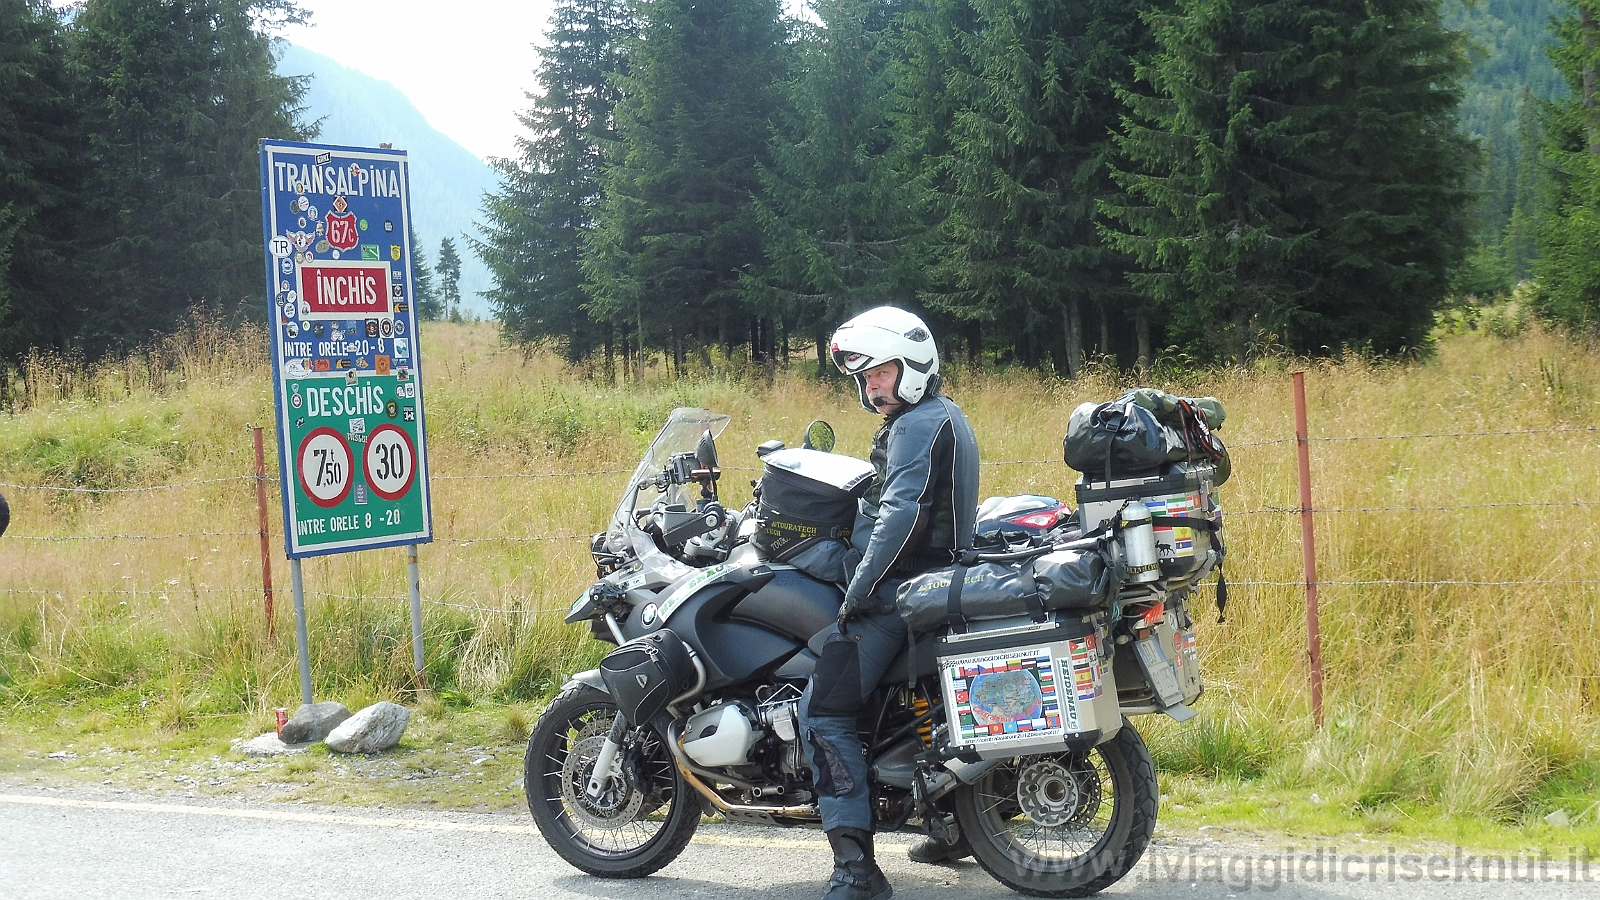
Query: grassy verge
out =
(1463, 677)
(470, 758)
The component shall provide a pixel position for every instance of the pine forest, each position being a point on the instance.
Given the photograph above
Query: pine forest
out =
(703, 181)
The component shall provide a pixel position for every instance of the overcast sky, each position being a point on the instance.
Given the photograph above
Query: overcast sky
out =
(465, 63)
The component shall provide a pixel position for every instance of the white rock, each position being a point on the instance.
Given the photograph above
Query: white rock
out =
(1558, 819)
(268, 745)
(372, 730)
(314, 721)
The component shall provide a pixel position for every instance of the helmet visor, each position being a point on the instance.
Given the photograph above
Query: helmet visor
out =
(852, 363)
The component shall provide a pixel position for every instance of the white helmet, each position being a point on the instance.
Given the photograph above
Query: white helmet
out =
(883, 334)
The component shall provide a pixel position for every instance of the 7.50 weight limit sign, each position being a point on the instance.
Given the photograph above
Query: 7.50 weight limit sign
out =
(345, 366)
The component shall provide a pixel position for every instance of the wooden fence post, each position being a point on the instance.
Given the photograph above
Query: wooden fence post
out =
(261, 519)
(1308, 547)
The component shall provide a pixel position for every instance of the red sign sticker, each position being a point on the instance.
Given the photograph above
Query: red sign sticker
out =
(342, 232)
(344, 290)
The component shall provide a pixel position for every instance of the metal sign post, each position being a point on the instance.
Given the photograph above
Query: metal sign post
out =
(346, 376)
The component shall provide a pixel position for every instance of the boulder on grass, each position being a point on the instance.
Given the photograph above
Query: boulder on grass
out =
(268, 745)
(372, 730)
(314, 721)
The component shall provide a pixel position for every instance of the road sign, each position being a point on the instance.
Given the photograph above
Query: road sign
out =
(345, 368)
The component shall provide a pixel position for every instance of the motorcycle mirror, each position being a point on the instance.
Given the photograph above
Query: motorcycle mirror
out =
(5, 514)
(706, 453)
(819, 436)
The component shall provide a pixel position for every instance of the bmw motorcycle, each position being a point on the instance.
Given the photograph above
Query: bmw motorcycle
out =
(1008, 731)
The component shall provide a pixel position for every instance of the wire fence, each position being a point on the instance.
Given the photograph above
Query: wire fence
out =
(469, 540)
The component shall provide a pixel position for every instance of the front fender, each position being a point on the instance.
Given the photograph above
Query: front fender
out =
(590, 678)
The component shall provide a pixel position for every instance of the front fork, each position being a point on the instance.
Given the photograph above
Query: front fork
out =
(608, 763)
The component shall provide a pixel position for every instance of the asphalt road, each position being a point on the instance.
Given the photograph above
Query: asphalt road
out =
(82, 844)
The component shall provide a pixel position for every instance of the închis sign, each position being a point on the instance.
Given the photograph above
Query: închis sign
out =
(345, 370)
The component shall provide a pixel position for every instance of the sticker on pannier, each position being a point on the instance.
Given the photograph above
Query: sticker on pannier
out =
(1017, 692)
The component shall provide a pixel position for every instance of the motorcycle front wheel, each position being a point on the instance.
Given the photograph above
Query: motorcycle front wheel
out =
(1063, 824)
(640, 824)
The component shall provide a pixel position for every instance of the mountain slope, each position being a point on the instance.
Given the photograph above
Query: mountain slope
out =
(447, 181)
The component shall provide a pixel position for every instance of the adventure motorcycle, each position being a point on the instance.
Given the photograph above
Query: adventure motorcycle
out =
(715, 645)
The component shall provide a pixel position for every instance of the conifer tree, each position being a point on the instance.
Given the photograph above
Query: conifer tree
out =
(1295, 171)
(676, 232)
(40, 174)
(176, 95)
(534, 229)
(429, 305)
(1568, 266)
(1033, 87)
(837, 216)
(449, 270)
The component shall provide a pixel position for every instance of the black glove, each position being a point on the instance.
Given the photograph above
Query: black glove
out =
(848, 611)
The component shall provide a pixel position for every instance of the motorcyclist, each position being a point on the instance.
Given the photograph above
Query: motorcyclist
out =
(921, 509)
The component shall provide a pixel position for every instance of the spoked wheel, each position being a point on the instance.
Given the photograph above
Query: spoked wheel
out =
(639, 824)
(1063, 824)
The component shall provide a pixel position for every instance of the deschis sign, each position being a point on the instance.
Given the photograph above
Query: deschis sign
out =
(345, 370)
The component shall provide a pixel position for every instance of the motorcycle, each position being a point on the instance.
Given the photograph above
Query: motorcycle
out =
(696, 711)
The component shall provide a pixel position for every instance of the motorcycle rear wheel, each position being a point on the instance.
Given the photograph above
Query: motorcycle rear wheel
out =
(1065, 824)
(634, 830)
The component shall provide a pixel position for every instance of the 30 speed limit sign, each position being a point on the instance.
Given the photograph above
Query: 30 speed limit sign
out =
(389, 463)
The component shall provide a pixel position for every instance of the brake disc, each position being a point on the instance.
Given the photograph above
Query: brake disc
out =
(616, 807)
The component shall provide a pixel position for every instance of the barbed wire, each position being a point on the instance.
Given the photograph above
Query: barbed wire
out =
(1579, 429)
(119, 592)
(132, 537)
(529, 539)
(1582, 429)
(500, 610)
(1505, 504)
(516, 540)
(531, 475)
(1401, 582)
(133, 490)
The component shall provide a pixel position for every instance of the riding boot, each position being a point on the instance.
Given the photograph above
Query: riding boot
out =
(856, 875)
(932, 850)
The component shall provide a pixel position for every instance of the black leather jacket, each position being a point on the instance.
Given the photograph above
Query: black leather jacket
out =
(923, 505)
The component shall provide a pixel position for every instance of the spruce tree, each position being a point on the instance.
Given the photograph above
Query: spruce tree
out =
(1294, 172)
(449, 269)
(429, 305)
(534, 225)
(676, 231)
(1568, 266)
(1032, 87)
(176, 95)
(40, 177)
(837, 216)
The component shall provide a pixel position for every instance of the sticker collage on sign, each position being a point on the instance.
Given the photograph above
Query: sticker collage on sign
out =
(345, 366)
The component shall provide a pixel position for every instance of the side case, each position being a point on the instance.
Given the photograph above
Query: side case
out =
(1019, 687)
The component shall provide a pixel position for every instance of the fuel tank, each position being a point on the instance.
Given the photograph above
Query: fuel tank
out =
(792, 603)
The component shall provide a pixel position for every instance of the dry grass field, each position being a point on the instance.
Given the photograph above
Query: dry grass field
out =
(1460, 609)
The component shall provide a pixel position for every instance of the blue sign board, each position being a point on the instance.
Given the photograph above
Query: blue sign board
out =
(346, 372)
